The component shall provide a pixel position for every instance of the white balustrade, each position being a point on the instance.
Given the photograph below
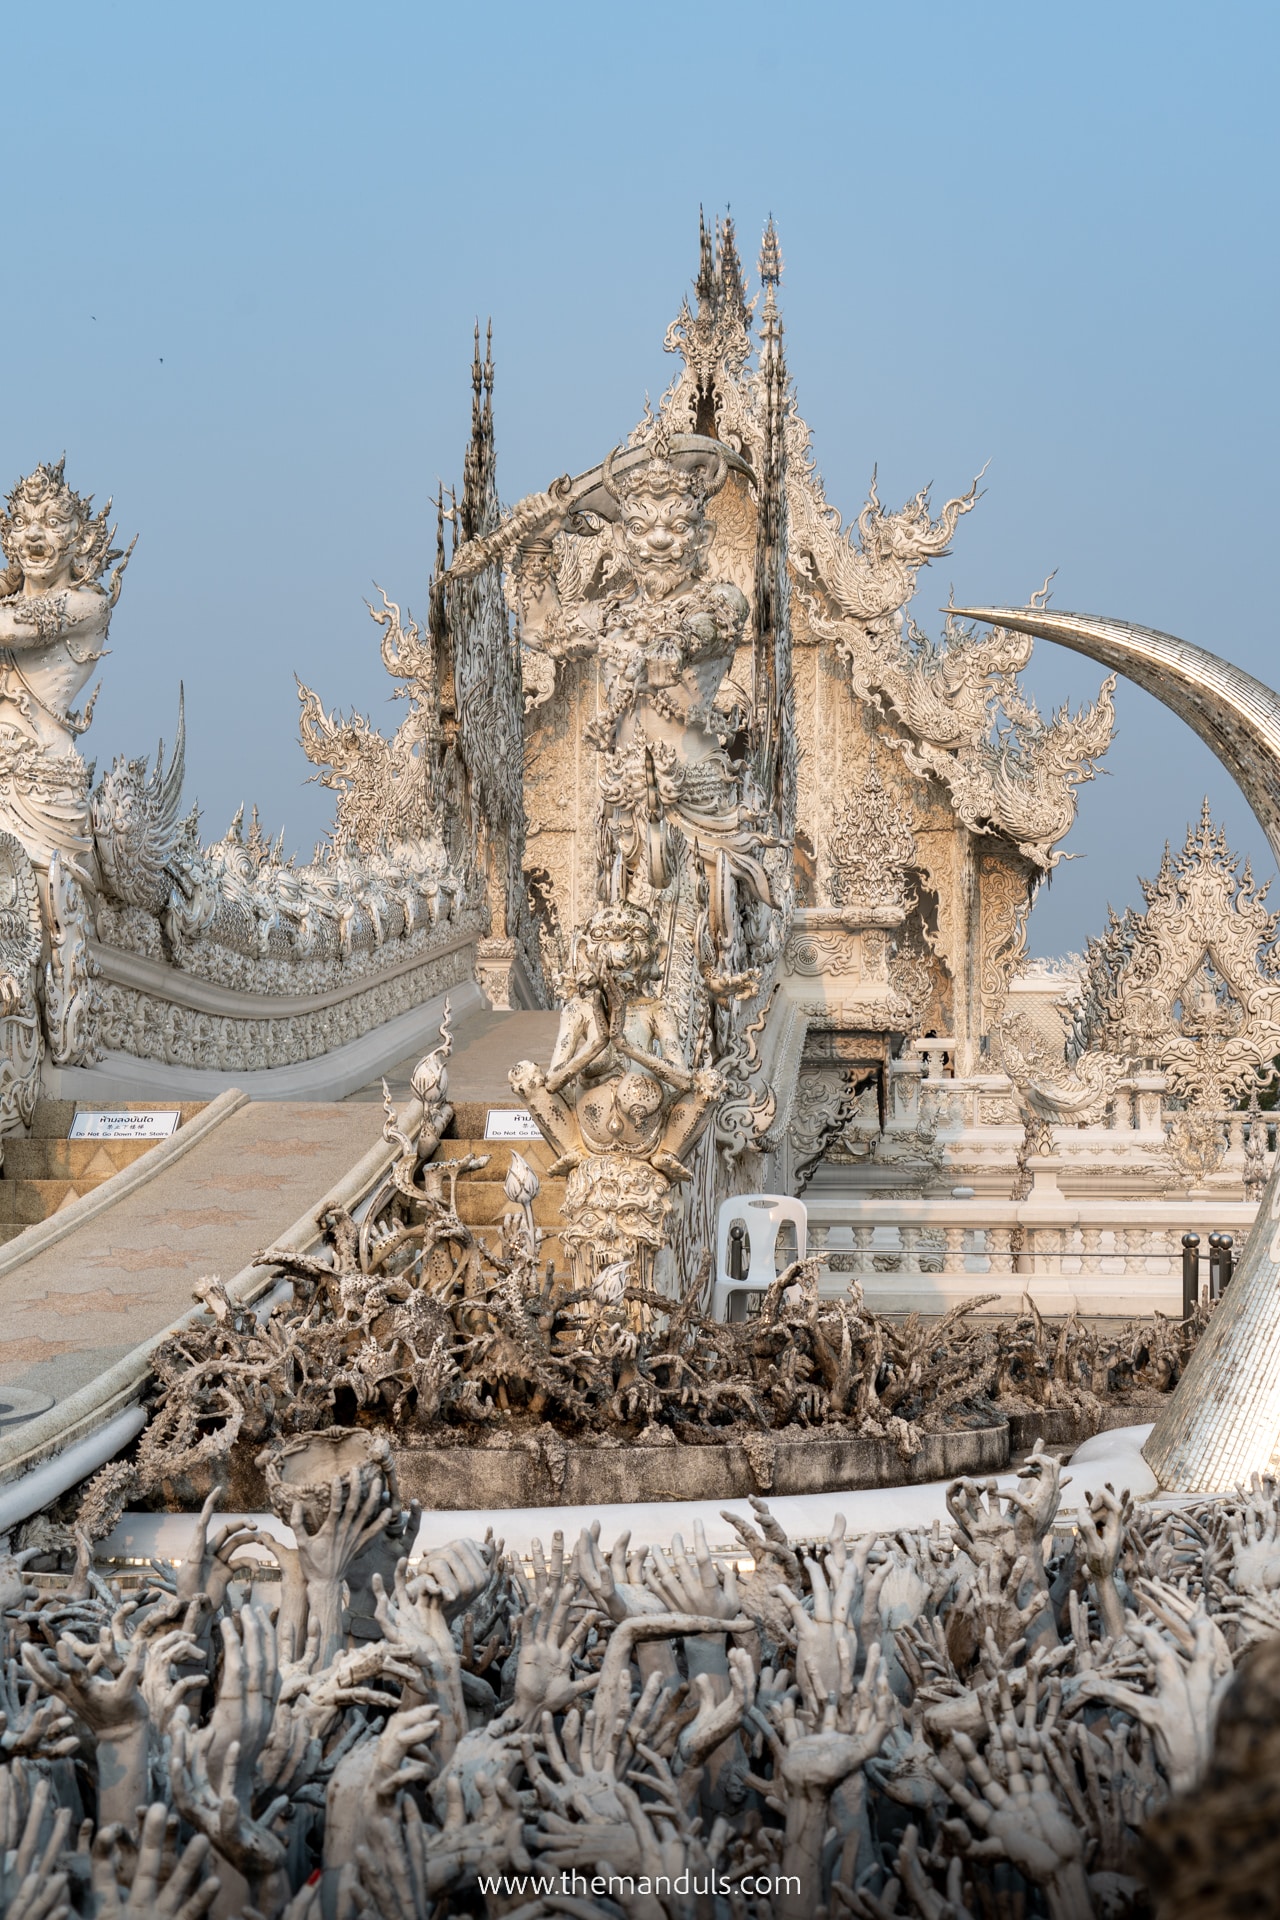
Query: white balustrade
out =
(1107, 1256)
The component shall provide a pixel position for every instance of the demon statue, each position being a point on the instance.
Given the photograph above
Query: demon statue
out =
(618, 1102)
(61, 584)
(53, 630)
(691, 864)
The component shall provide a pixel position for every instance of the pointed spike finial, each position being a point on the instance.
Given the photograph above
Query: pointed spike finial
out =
(705, 285)
(770, 256)
(733, 286)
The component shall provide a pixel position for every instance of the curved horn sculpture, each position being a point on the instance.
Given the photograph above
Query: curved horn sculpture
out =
(1222, 1422)
(720, 473)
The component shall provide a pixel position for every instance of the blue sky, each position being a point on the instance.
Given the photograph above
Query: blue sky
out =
(247, 244)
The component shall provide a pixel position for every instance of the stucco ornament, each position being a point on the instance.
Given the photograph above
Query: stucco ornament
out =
(872, 851)
(618, 1102)
(21, 943)
(1191, 984)
(1051, 1091)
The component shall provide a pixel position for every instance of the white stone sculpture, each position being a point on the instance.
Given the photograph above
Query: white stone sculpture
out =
(1224, 1423)
(62, 582)
(21, 950)
(619, 1102)
(1191, 984)
(1001, 1712)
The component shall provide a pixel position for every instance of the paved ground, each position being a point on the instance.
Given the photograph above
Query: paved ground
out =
(74, 1309)
(485, 1047)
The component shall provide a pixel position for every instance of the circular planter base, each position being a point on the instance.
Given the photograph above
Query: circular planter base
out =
(534, 1474)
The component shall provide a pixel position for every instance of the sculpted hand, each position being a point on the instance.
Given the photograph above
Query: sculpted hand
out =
(606, 1580)
(1101, 1528)
(247, 1694)
(416, 1625)
(1018, 1815)
(769, 1543)
(685, 1584)
(811, 1764)
(1033, 1504)
(112, 1709)
(718, 1719)
(31, 1724)
(109, 1706)
(1181, 1712)
(152, 1880)
(550, 1640)
(826, 1642)
(163, 1688)
(207, 1569)
(209, 1802)
(324, 1556)
(455, 1575)
(1254, 1533)
(981, 1528)
(28, 1866)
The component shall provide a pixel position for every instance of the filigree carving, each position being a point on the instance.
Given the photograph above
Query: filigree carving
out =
(1191, 983)
(21, 941)
(71, 1004)
(872, 852)
(1075, 1096)
(386, 788)
(1005, 904)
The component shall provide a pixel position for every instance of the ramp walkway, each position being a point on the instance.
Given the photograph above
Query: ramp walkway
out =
(115, 1267)
(118, 1241)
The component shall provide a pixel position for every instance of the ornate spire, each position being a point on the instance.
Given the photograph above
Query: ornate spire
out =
(770, 257)
(733, 286)
(479, 506)
(705, 286)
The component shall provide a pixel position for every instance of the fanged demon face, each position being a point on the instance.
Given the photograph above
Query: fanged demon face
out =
(662, 537)
(45, 524)
(619, 945)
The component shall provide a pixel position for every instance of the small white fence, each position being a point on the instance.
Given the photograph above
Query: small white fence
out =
(1107, 1256)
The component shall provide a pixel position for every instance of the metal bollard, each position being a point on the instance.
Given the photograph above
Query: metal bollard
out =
(1215, 1266)
(1190, 1273)
(1228, 1260)
(736, 1257)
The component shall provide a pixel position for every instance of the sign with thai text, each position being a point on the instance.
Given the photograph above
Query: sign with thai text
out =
(122, 1123)
(511, 1123)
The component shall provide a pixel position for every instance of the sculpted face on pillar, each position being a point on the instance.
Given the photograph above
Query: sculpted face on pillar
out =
(664, 529)
(54, 607)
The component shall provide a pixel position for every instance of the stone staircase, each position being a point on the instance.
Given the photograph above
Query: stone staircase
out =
(482, 1200)
(46, 1172)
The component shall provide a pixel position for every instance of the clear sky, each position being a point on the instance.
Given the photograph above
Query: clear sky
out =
(246, 245)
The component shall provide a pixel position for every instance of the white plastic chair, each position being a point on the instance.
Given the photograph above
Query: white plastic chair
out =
(762, 1215)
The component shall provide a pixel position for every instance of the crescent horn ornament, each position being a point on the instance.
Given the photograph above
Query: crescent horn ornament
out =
(1222, 1423)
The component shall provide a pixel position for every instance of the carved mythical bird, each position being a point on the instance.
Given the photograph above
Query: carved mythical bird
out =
(140, 837)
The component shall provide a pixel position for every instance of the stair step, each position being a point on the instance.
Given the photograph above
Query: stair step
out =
(52, 1119)
(80, 1160)
(27, 1201)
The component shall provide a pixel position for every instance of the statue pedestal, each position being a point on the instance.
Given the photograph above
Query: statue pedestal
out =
(1044, 1179)
(500, 971)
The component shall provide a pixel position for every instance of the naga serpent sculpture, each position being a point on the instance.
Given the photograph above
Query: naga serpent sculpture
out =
(1223, 1422)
